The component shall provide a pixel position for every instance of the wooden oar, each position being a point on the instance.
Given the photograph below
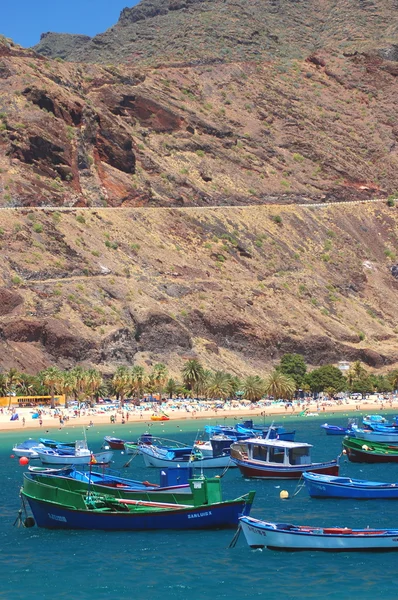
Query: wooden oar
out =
(154, 504)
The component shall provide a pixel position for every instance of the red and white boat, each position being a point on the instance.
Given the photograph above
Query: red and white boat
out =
(277, 459)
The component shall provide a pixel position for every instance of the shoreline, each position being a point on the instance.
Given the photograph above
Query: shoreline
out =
(126, 416)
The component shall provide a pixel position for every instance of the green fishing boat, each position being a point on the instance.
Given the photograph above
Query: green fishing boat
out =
(56, 506)
(361, 451)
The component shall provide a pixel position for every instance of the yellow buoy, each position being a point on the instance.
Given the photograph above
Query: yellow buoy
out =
(284, 495)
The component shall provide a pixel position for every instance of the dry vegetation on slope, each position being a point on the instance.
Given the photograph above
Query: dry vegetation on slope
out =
(198, 31)
(248, 133)
(250, 107)
(235, 287)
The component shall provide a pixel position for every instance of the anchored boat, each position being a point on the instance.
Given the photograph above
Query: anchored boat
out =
(79, 455)
(359, 450)
(277, 459)
(327, 486)
(55, 506)
(284, 536)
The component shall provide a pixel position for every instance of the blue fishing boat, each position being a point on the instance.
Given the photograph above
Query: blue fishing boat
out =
(388, 436)
(375, 421)
(247, 429)
(337, 429)
(327, 486)
(55, 506)
(55, 444)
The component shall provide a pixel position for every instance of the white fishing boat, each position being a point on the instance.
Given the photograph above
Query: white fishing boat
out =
(79, 455)
(156, 454)
(283, 536)
(28, 448)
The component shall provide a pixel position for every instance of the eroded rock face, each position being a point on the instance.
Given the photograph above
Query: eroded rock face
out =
(56, 337)
(9, 300)
(159, 332)
(119, 347)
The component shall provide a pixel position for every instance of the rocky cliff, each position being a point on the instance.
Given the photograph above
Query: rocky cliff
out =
(235, 287)
(176, 204)
(323, 128)
(200, 31)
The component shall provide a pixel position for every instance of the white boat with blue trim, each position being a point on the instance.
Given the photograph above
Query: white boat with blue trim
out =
(284, 536)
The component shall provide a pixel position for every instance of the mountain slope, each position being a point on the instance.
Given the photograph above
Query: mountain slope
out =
(200, 31)
(236, 287)
(248, 133)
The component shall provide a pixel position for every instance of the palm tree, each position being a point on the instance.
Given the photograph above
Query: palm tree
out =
(138, 380)
(192, 373)
(358, 369)
(78, 374)
(66, 385)
(171, 387)
(12, 381)
(219, 385)
(93, 382)
(253, 388)
(278, 385)
(393, 378)
(159, 377)
(51, 378)
(122, 382)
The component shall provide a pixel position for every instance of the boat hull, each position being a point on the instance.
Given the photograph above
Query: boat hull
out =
(69, 459)
(259, 534)
(253, 470)
(359, 452)
(345, 487)
(52, 516)
(205, 463)
(380, 437)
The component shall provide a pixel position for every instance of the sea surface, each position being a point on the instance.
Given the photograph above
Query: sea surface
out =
(58, 565)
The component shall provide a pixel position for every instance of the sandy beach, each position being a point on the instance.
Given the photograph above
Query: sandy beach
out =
(62, 418)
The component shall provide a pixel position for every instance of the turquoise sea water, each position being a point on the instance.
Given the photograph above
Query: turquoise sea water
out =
(40, 564)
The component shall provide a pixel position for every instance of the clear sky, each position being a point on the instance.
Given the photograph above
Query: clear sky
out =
(25, 20)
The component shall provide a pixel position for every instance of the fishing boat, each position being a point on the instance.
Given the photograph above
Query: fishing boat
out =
(277, 459)
(159, 453)
(55, 444)
(27, 448)
(327, 486)
(284, 536)
(55, 506)
(248, 429)
(360, 451)
(216, 445)
(386, 436)
(337, 429)
(174, 486)
(116, 443)
(79, 455)
(374, 420)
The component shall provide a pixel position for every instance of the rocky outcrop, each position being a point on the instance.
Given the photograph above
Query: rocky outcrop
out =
(9, 301)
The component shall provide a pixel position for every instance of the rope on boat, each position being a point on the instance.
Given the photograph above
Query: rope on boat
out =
(299, 486)
(235, 538)
(225, 470)
(127, 464)
(25, 521)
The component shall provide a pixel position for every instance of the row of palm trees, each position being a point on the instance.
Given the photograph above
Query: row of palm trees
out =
(89, 384)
